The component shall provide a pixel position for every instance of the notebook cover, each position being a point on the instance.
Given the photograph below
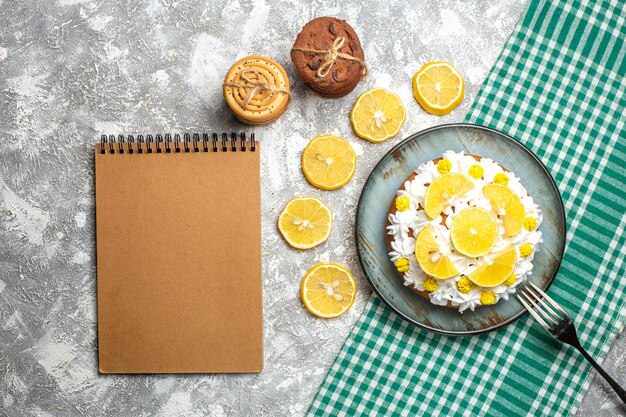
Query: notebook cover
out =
(179, 262)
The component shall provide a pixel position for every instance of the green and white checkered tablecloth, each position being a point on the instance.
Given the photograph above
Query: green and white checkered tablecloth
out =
(559, 87)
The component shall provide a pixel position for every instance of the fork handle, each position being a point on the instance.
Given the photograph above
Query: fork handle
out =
(619, 390)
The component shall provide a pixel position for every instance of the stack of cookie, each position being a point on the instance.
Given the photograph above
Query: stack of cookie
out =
(257, 90)
(328, 56)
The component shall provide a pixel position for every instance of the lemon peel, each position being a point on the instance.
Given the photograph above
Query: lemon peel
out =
(501, 179)
(525, 250)
(476, 171)
(487, 298)
(431, 284)
(510, 280)
(464, 285)
(403, 203)
(402, 265)
(530, 223)
(444, 166)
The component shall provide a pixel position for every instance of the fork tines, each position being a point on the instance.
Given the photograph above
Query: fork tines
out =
(556, 322)
(541, 310)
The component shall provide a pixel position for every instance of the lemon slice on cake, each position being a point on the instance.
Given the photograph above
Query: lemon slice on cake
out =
(474, 231)
(305, 222)
(443, 191)
(328, 290)
(507, 206)
(377, 115)
(430, 257)
(496, 271)
(328, 162)
(438, 87)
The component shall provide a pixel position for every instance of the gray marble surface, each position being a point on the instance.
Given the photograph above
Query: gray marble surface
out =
(71, 69)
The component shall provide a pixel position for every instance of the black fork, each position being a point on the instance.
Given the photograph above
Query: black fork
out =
(556, 322)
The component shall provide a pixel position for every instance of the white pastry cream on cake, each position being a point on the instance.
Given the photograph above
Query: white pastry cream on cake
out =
(463, 231)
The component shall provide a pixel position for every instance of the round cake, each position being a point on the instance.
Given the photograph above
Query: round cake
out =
(328, 56)
(463, 231)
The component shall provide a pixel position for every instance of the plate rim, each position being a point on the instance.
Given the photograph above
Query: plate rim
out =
(421, 133)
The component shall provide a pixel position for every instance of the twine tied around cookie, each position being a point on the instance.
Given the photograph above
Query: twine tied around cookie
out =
(331, 56)
(255, 85)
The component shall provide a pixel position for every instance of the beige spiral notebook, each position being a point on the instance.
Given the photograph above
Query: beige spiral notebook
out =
(178, 234)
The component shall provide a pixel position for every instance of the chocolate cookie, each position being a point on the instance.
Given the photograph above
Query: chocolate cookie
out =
(328, 56)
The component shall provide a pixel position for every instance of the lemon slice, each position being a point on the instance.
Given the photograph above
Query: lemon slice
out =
(429, 255)
(377, 115)
(507, 206)
(305, 222)
(328, 162)
(443, 191)
(474, 231)
(492, 274)
(328, 290)
(438, 87)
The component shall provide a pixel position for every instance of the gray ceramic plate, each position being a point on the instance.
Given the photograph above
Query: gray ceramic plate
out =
(389, 175)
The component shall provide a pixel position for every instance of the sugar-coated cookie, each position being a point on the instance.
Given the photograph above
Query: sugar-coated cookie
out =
(257, 90)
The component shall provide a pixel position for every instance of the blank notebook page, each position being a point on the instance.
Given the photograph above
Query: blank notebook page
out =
(179, 261)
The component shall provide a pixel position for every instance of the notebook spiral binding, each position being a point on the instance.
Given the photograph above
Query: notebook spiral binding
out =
(191, 142)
